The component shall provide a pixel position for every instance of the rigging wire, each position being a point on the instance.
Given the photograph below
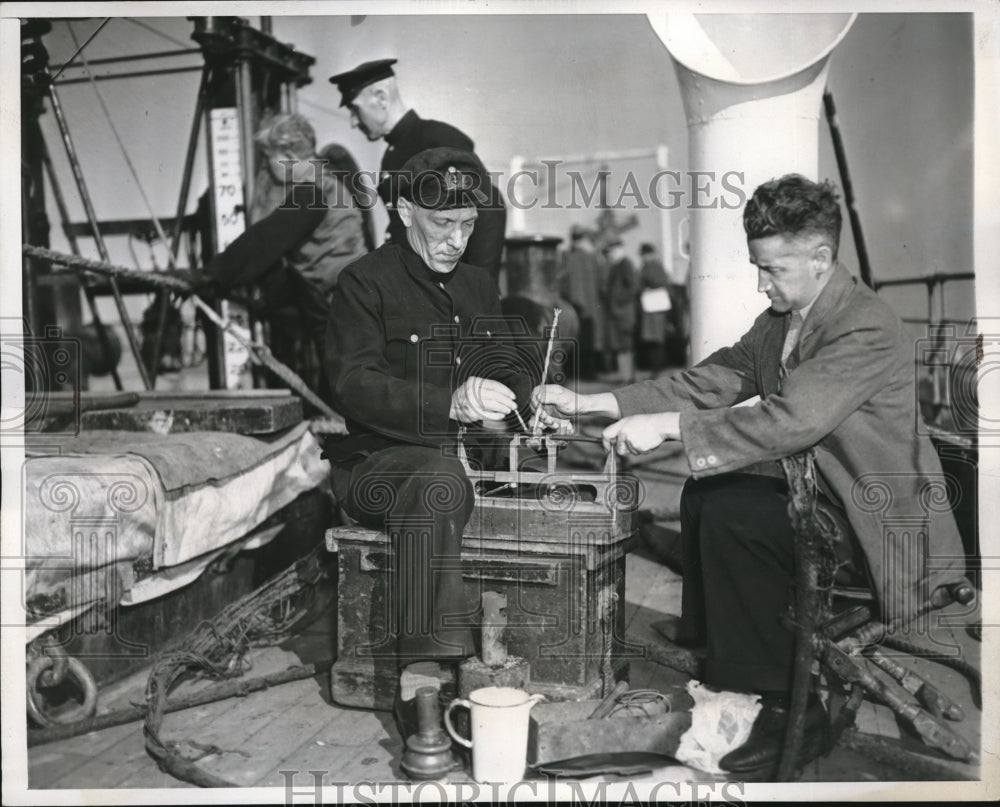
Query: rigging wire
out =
(121, 145)
(79, 50)
(150, 28)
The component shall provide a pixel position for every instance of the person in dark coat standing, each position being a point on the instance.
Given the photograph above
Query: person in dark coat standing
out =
(622, 296)
(834, 372)
(581, 281)
(654, 309)
(372, 95)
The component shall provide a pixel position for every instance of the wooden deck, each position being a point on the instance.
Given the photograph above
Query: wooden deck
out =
(278, 737)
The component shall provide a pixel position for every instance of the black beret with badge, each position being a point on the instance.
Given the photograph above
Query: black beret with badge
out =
(351, 82)
(443, 179)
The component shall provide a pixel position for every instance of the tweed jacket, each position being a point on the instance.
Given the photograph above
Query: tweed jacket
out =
(850, 392)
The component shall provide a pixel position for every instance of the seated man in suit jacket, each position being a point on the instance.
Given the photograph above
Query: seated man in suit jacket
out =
(833, 371)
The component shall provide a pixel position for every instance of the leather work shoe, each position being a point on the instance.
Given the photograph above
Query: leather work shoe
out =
(763, 747)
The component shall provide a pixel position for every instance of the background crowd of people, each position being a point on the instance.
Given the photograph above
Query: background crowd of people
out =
(630, 318)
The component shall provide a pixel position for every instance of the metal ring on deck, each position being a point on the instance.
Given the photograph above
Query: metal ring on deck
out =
(75, 667)
(60, 665)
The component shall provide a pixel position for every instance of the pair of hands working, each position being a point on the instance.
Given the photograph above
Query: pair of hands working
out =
(484, 399)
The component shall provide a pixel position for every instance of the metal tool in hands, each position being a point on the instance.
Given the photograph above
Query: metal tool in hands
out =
(545, 367)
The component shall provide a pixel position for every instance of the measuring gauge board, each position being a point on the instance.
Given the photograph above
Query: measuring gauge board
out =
(229, 222)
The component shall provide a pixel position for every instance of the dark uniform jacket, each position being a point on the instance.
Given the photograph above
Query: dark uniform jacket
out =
(402, 338)
(850, 392)
(411, 135)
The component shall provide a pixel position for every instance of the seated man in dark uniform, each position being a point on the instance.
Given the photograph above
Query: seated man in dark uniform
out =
(415, 347)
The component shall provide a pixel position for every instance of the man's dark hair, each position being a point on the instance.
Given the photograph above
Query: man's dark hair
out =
(794, 206)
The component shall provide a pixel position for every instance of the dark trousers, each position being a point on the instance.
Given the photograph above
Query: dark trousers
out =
(738, 550)
(423, 500)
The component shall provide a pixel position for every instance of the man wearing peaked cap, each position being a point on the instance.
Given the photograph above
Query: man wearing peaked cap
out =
(351, 82)
(417, 348)
(372, 95)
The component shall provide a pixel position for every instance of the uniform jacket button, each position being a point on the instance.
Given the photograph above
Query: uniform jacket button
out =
(413, 337)
(700, 462)
(712, 460)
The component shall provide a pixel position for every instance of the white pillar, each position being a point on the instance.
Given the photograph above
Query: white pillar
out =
(666, 228)
(752, 86)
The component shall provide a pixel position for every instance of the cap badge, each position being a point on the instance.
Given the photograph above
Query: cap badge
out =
(454, 180)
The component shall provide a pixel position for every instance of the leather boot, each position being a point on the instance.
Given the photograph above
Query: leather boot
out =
(763, 747)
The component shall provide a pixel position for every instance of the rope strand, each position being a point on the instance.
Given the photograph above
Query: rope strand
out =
(260, 353)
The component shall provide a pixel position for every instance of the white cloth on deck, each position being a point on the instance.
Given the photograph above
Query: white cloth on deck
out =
(720, 723)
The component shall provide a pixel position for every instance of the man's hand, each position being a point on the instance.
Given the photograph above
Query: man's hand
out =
(553, 402)
(638, 434)
(481, 399)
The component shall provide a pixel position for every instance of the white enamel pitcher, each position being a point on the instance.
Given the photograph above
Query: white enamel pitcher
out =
(499, 732)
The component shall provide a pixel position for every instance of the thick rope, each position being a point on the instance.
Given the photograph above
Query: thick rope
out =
(161, 280)
(959, 665)
(218, 649)
(260, 353)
